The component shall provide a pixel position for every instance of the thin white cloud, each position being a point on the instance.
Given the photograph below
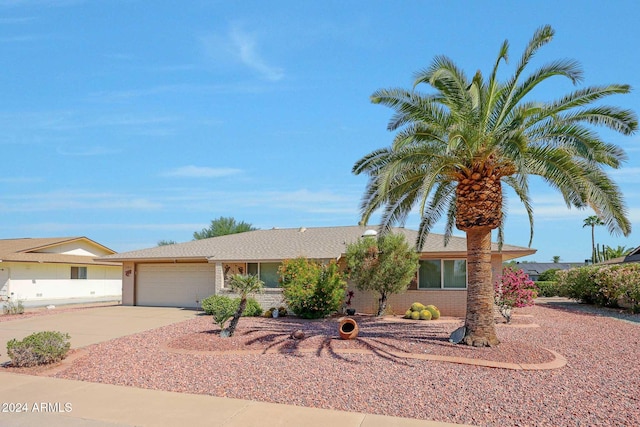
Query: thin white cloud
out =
(626, 175)
(201, 172)
(39, 3)
(241, 46)
(24, 38)
(20, 180)
(67, 200)
(124, 95)
(245, 45)
(87, 151)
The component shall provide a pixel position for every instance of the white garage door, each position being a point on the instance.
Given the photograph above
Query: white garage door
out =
(174, 285)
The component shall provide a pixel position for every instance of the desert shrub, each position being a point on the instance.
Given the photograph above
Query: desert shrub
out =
(549, 275)
(40, 348)
(214, 303)
(253, 308)
(385, 265)
(580, 284)
(310, 289)
(604, 285)
(548, 288)
(13, 307)
(221, 307)
(435, 313)
(425, 315)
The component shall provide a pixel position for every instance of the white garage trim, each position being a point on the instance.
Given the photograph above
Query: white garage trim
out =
(174, 285)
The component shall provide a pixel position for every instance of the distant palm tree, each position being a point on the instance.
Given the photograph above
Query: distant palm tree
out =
(556, 259)
(592, 221)
(456, 147)
(618, 252)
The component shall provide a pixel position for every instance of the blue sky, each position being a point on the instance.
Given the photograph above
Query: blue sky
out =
(135, 121)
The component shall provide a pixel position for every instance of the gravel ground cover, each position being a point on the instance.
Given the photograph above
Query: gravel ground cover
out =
(599, 386)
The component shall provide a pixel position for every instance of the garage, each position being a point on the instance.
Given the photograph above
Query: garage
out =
(174, 285)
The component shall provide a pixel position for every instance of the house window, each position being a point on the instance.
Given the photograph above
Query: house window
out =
(442, 274)
(78, 272)
(267, 271)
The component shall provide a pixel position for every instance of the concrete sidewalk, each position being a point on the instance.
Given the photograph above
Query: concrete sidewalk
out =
(56, 403)
(59, 402)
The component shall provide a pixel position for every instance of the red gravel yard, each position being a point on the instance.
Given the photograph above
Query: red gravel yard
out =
(382, 372)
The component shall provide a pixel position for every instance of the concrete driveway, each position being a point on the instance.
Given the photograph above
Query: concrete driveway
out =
(93, 325)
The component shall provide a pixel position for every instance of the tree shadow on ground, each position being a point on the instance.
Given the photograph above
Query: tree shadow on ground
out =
(385, 339)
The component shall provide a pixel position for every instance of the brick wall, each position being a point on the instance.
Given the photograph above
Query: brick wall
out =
(268, 298)
(449, 302)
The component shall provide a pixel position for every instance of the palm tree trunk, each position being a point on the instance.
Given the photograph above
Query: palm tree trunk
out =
(479, 321)
(593, 244)
(236, 317)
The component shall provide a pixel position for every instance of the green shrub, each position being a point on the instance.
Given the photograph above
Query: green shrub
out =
(415, 315)
(40, 348)
(221, 307)
(425, 315)
(310, 289)
(548, 289)
(579, 284)
(252, 309)
(435, 313)
(11, 307)
(602, 285)
(549, 275)
(407, 314)
(416, 306)
(214, 303)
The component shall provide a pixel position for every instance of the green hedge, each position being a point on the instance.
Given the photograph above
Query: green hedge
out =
(548, 289)
(214, 302)
(605, 285)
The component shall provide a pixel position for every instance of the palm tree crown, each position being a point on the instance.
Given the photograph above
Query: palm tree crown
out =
(455, 147)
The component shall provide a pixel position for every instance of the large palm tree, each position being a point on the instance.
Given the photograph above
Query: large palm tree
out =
(455, 148)
(592, 221)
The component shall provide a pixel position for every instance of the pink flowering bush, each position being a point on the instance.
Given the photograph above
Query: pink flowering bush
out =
(513, 288)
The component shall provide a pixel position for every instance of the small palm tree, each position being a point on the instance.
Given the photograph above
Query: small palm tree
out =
(457, 146)
(243, 285)
(556, 259)
(592, 221)
(618, 252)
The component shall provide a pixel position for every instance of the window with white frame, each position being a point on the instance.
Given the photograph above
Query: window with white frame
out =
(79, 273)
(442, 274)
(267, 271)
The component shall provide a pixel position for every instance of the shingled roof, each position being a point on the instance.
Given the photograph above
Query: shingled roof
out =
(286, 243)
(35, 250)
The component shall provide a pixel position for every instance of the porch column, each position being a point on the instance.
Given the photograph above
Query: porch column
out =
(219, 279)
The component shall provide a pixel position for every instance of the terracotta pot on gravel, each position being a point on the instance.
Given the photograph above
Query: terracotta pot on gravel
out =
(348, 329)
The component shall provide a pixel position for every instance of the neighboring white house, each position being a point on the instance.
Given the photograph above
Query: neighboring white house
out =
(49, 270)
(181, 275)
